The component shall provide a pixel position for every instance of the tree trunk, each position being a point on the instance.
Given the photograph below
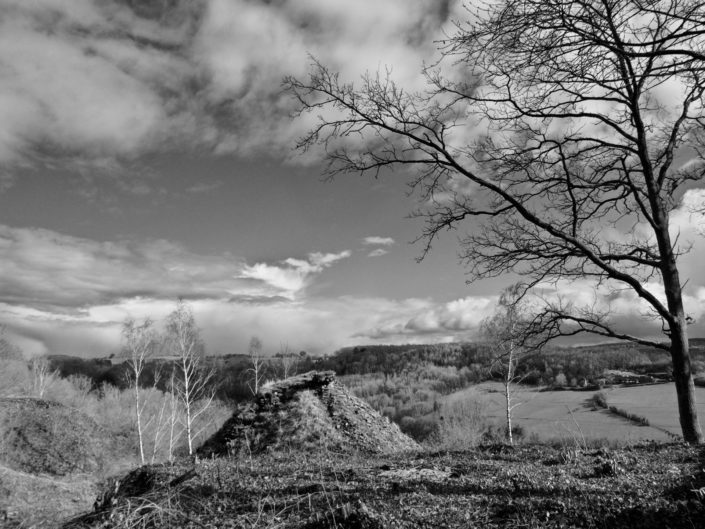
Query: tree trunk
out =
(678, 331)
(508, 392)
(138, 413)
(685, 388)
(508, 396)
(677, 327)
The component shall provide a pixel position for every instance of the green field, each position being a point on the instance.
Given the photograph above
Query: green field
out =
(566, 414)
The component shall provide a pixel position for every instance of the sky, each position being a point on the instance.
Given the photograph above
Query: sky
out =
(147, 154)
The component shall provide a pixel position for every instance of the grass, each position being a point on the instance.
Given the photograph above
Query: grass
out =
(534, 486)
(547, 415)
(33, 501)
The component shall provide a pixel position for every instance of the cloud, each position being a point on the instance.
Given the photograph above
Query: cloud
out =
(377, 253)
(204, 187)
(291, 276)
(88, 80)
(626, 312)
(69, 295)
(98, 81)
(43, 267)
(382, 241)
(425, 320)
(315, 325)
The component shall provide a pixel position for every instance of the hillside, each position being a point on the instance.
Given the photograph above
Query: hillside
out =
(308, 455)
(50, 455)
(44, 437)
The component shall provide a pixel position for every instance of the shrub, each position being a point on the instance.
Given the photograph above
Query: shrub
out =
(637, 419)
(599, 400)
(461, 424)
(419, 428)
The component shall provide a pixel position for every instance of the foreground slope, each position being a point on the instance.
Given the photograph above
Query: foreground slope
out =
(50, 455)
(647, 486)
(307, 455)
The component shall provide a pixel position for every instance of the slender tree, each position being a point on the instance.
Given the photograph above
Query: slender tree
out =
(192, 377)
(43, 377)
(140, 344)
(287, 361)
(507, 334)
(257, 365)
(173, 417)
(560, 135)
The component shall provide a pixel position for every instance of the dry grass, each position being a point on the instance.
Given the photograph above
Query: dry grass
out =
(41, 501)
(533, 486)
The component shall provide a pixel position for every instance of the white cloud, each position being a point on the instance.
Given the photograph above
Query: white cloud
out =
(291, 276)
(429, 321)
(315, 325)
(46, 268)
(381, 241)
(627, 313)
(377, 253)
(84, 81)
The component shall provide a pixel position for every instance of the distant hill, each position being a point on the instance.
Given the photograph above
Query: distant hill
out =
(577, 364)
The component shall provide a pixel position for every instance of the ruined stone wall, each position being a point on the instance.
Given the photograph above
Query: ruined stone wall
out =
(306, 412)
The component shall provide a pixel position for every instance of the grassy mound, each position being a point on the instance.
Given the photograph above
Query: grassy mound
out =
(304, 413)
(43, 437)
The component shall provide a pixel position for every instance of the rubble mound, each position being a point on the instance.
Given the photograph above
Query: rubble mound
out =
(307, 411)
(44, 437)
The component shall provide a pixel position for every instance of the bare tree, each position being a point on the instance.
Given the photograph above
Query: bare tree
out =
(257, 365)
(183, 339)
(288, 361)
(507, 333)
(140, 344)
(173, 415)
(43, 377)
(554, 141)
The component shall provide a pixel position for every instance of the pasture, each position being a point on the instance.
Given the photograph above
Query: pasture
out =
(568, 415)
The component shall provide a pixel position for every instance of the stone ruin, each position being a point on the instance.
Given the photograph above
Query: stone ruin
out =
(308, 411)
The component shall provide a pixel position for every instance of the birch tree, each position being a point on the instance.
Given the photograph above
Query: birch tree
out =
(560, 137)
(257, 365)
(287, 361)
(191, 384)
(42, 376)
(140, 344)
(507, 334)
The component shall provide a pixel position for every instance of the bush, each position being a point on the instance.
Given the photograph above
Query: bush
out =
(599, 400)
(497, 433)
(461, 424)
(637, 419)
(419, 429)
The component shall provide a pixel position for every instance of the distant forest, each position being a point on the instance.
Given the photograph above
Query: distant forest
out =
(454, 366)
